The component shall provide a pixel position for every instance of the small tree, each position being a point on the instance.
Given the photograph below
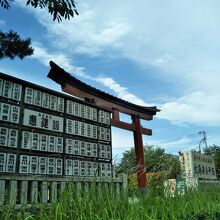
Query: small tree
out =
(155, 158)
(12, 45)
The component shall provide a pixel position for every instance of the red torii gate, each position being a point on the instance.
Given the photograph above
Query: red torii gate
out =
(75, 87)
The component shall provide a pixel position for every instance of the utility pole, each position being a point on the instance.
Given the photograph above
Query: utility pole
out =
(203, 140)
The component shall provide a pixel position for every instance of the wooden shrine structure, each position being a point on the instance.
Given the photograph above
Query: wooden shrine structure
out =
(75, 87)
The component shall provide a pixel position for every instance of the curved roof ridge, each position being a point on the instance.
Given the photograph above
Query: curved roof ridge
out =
(66, 77)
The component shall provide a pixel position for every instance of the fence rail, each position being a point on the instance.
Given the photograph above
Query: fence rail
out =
(28, 190)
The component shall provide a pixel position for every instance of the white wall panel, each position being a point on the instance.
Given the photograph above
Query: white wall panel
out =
(69, 126)
(15, 113)
(43, 142)
(88, 149)
(37, 98)
(69, 146)
(101, 133)
(82, 129)
(82, 111)
(42, 164)
(102, 150)
(59, 166)
(101, 117)
(76, 147)
(45, 100)
(76, 108)
(76, 168)
(95, 168)
(107, 134)
(5, 112)
(94, 114)
(89, 170)
(102, 169)
(83, 148)
(35, 141)
(108, 152)
(42, 120)
(83, 168)
(11, 162)
(53, 102)
(76, 127)
(51, 144)
(88, 112)
(29, 95)
(69, 108)
(16, 93)
(94, 150)
(88, 130)
(2, 162)
(68, 167)
(59, 144)
(12, 138)
(107, 118)
(51, 166)
(3, 137)
(33, 162)
(60, 104)
(7, 89)
(94, 131)
(26, 140)
(24, 164)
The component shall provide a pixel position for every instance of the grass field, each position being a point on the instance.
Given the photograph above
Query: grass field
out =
(100, 205)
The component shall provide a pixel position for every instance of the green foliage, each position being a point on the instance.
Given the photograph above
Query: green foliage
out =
(154, 183)
(12, 45)
(102, 204)
(128, 162)
(155, 158)
(58, 8)
(4, 4)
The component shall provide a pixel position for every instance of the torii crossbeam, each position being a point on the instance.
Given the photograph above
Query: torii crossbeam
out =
(75, 87)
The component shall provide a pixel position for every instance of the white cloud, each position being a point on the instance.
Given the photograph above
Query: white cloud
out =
(167, 58)
(122, 92)
(45, 57)
(181, 39)
(195, 108)
(2, 23)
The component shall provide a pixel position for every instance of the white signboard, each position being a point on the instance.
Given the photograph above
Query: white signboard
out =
(194, 164)
(42, 120)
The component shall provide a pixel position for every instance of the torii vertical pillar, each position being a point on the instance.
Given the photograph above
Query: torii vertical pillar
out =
(139, 151)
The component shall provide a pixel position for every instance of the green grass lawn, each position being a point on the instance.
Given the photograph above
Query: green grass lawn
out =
(101, 205)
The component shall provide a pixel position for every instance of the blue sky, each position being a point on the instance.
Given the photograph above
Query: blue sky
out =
(163, 53)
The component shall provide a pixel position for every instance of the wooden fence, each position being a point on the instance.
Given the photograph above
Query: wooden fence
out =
(28, 190)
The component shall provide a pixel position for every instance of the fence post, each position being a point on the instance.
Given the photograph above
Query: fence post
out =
(2, 192)
(13, 192)
(24, 192)
(124, 178)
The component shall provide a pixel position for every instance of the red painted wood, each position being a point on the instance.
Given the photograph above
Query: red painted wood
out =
(103, 103)
(146, 131)
(115, 114)
(123, 125)
(139, 151)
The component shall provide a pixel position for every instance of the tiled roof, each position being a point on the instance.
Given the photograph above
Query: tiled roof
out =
(61, 77)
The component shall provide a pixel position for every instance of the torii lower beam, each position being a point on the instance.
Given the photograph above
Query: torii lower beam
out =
(75, 87)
